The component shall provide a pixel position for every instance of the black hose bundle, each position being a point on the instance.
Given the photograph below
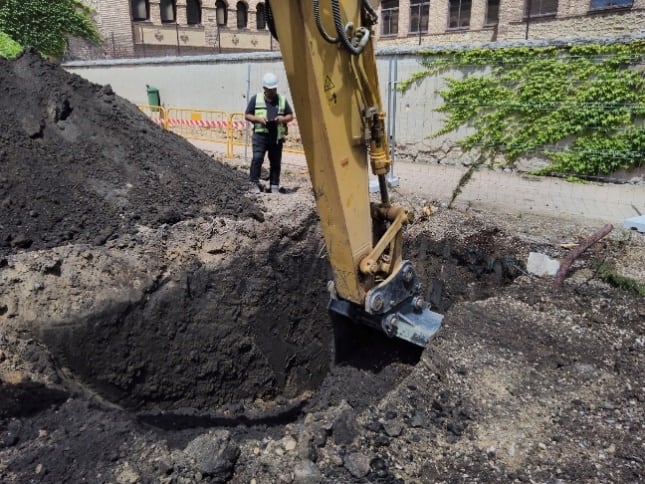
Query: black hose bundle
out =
(268, 13)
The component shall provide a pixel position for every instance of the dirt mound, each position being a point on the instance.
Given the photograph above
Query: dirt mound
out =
(79, 164)
(135, 257)
(135, 273)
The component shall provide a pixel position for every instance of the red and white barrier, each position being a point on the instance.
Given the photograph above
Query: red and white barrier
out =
(205, 123)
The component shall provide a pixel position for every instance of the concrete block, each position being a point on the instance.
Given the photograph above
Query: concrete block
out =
(542, 265)
(635, 223)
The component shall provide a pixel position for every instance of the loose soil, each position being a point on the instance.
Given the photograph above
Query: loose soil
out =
(160, 324)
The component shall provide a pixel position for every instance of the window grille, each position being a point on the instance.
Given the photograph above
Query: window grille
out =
(390, 17)
(541, 8)
(459, 14)
(492, 12)
(602, 4)
(419, 14)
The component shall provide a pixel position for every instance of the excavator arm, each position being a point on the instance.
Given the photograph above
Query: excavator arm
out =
(328, 53)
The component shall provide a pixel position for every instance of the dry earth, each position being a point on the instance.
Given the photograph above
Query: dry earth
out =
(158, 324)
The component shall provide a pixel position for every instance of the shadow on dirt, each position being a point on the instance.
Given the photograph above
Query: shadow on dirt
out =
(368, 349)
(179, 421)
(473, 269)
(28, 398)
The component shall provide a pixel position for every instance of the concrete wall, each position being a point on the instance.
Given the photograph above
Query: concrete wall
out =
(225, 82)
(213, 82)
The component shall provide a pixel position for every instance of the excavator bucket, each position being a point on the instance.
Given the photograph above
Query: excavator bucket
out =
(393, 307)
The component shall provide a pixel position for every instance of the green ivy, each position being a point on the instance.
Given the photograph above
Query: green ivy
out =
(46, 24)
(8, 47)
(581, 107)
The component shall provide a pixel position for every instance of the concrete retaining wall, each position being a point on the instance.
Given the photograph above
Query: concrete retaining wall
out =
(225, 82)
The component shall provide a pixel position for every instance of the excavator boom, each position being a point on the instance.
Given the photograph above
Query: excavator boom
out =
(328, 54)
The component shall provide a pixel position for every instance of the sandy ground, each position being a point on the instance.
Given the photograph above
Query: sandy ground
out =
(506, 192)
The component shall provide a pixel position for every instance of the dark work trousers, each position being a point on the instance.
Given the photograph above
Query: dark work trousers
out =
(262, 143)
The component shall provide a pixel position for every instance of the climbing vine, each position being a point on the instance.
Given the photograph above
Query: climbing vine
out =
(581, 107)
(45, 24)
(8, 47)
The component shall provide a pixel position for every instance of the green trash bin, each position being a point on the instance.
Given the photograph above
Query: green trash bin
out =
(153, 96)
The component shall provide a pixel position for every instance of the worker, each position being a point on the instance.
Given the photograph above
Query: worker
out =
(269, 112)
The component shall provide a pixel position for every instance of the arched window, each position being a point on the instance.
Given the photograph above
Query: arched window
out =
(242, 15)
(260, 16)
(390, 17)
(221, 13)
(193, 12)
(168, 10)
(140, 9)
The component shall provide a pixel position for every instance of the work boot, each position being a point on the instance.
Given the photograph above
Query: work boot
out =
(254, 188)
(275, 189)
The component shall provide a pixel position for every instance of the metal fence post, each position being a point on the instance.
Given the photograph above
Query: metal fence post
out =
(248, 98)
(391, 99)
(229, 137)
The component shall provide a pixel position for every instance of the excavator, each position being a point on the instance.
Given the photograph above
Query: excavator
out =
(329, 58)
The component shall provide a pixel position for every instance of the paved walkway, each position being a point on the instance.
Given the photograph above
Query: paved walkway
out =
(507, 192)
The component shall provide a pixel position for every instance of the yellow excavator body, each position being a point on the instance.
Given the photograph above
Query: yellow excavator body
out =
(328, 53)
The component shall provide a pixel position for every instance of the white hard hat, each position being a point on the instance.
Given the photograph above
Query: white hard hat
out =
(270, 81)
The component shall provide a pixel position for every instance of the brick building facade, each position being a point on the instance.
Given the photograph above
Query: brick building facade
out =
(432, 22)
(145, 28)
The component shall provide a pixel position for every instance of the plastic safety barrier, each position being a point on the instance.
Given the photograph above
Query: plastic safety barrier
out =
(241, 131)
(230, 129)
(155, 113)
(198, 124)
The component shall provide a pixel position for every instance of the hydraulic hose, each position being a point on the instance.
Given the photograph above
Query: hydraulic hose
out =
(340, 30)
(270, 22)
(321, 29)
(368, 6)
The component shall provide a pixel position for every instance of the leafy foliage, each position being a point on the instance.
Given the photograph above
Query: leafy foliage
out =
(8, 47)
(582, 107)
(45, 24)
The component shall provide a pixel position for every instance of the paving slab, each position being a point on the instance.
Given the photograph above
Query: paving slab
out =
(635, 223)
(510, 193)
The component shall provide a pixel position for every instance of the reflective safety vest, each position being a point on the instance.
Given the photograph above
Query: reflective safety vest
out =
(261, 112)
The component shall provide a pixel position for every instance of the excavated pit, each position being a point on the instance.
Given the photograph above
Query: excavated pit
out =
(158, 285)
(205, 337)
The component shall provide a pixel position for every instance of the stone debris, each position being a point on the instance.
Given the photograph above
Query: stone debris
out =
(542, 265)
